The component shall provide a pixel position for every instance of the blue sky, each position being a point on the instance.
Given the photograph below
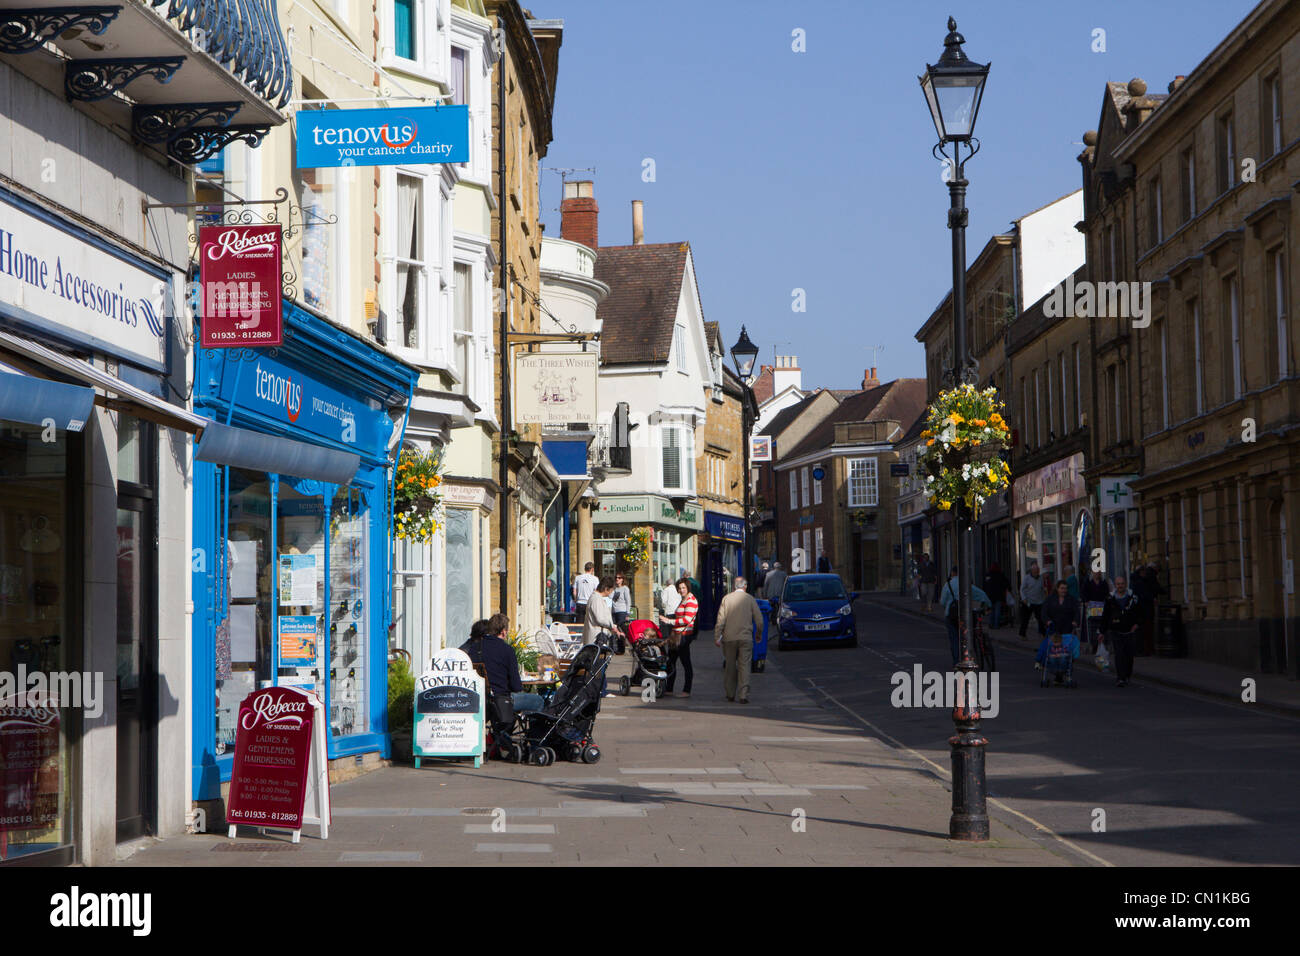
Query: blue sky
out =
(813, 170)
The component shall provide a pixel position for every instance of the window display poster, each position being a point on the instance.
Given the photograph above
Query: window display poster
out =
(29, 766)
(297, 580)
(243, 569)
(272, 750)
(298, 640)
(449, 701)
(243, 633)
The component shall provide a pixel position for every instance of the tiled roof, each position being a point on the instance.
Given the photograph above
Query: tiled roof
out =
(782, 419)
(763, 384)
(901, 400)
(714, 333)
(639, 314)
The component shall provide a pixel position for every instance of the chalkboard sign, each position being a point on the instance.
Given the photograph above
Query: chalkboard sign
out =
(448, 700)
(449, 708)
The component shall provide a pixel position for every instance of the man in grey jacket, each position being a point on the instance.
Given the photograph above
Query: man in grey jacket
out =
(738, 615)
(774, 583)
(1032, 595)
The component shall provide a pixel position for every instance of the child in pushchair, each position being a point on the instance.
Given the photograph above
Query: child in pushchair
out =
(649, 656)
(1056, 656)
(564, 727)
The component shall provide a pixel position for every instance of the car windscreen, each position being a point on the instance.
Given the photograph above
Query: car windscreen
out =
(818, 589)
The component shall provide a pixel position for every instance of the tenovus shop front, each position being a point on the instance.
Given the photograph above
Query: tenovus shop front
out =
(292, 522)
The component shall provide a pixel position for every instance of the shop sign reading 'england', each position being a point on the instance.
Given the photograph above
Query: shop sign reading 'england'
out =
(383, 137)
(52, 279)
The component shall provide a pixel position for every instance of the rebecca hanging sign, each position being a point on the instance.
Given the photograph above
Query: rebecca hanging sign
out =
(383, 137)
(56, 281)
(239, 273)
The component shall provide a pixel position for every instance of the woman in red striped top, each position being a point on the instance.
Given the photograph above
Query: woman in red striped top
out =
(683, 634)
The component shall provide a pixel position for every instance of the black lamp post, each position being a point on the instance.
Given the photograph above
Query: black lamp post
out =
(743, 355)
(953, 89)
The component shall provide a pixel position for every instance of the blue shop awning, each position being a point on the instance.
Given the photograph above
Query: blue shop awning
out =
(242, 448)
(25, 398)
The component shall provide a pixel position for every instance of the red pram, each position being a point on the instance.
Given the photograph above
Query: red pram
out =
(650, 657)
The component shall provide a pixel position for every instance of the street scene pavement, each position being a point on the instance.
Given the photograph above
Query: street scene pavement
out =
(820, 769)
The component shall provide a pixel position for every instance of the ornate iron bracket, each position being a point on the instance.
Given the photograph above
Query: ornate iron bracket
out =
(156, 123)
(201, 142)
(24, 30)
(91, 80)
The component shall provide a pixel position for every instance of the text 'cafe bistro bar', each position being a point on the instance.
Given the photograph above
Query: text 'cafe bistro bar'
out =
(292, 503)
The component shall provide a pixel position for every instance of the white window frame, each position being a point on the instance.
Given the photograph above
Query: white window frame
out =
(475, 37)
(869, 494)
(817, 490)
(679, 348)
(1229, 157)
(794, 546)
(818, 545)
(794, 488)
(804, 487)
(432, 49)
(686, 457)
(1275, 112)
(809, 562)
(469, 374)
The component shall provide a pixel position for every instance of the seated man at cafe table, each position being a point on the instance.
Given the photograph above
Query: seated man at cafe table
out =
(487, 646)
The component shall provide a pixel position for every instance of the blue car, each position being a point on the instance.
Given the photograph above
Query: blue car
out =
(815, 607)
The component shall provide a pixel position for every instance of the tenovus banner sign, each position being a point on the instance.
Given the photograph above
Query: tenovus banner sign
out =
(287, 395)
(383, 137)
(56, 279)
(239, 274)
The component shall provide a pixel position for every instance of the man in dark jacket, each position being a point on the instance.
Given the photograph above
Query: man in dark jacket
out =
(486, 646)
(1120, 621)
(996, 587)
(1061, 610)
(929, 582)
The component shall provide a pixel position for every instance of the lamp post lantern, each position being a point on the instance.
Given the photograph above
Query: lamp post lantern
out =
(953, 89)
(743, 355)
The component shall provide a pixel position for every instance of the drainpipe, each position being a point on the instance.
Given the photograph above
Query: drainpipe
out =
(503, 264)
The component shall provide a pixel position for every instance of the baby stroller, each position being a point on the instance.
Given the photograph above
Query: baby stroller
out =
(564, 727)
(649, 657)
(1056, 658)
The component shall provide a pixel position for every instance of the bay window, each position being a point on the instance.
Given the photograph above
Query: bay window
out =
(678, 458)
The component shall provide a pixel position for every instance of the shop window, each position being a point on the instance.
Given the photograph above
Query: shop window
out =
(35, 633)
(460, 575)
(318, 602)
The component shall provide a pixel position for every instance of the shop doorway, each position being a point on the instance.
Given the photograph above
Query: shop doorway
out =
(137, 686)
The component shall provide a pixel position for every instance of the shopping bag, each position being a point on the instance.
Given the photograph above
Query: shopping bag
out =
(1102, 658)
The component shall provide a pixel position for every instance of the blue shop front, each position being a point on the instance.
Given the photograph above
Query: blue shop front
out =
(292, 534)
(721, 555)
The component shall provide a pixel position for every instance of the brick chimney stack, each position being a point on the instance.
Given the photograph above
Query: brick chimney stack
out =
(869, 379)
(579, 213)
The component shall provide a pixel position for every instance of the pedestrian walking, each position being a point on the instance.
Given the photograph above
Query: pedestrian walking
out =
(774, 584)
(738, 616)
(1121, 620)
(996, 586)
(583, 588)
(622, 600)
(929, 576)
(823, 564)
(1061, 611)
(951, 598)
(1032, 594)
(683, 633)
(760, 577)
(598, 626)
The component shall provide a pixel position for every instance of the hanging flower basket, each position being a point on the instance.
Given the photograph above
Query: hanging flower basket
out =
(637, 551)
(965, 436)
(417, 505)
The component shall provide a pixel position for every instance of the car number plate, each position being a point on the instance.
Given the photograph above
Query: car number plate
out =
(818, 627)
